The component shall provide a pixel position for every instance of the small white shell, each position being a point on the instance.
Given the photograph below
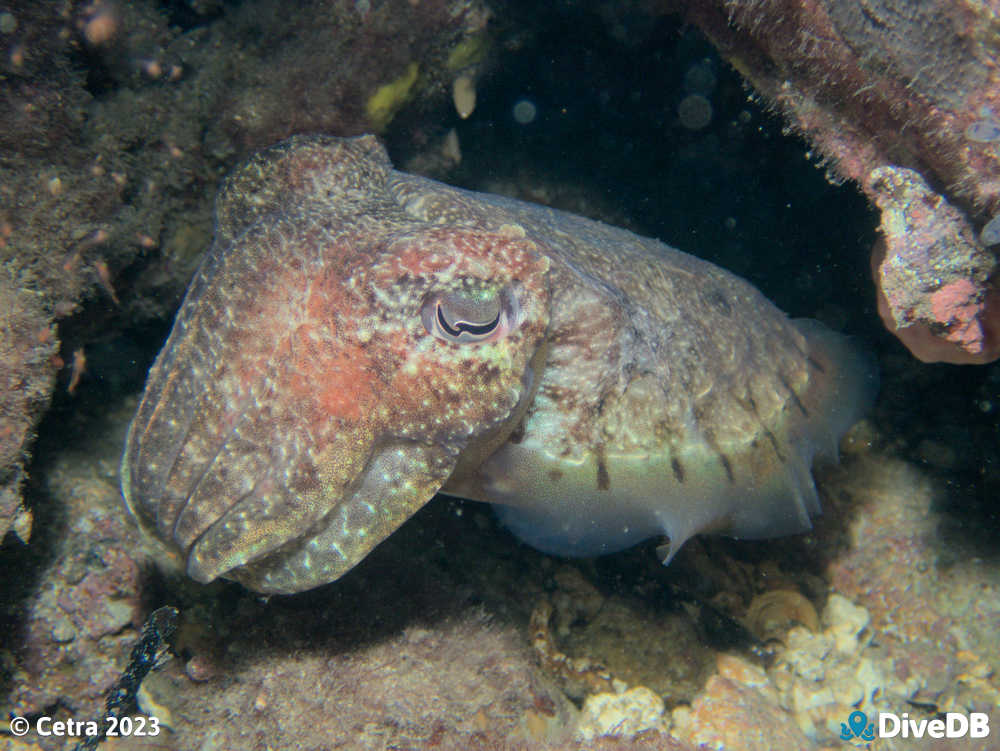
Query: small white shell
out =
(983, 131)
(990, 234)
(463, 94)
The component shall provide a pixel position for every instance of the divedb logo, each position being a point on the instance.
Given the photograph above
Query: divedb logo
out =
(858, 730)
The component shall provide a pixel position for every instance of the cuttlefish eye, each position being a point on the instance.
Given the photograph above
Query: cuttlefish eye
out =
(468, 315)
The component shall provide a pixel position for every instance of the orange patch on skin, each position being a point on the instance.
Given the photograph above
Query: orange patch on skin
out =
(338, 386)
(418, 262)
(319, 367)
(339, 383)
(318, 307)
(469, 252)
(349, 386)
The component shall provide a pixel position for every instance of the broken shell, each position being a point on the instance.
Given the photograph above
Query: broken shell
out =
(772, 613)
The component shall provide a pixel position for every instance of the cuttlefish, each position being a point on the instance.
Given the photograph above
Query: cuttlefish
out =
(359, 339)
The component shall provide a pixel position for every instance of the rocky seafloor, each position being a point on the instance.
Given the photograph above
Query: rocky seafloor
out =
(892, 604)
(452, 634)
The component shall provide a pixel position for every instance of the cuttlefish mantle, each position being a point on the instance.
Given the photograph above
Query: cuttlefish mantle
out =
(359, 339)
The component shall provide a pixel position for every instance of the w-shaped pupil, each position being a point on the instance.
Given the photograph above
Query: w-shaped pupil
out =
(476, 329)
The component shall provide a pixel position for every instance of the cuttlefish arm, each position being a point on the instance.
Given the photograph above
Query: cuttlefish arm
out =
(359, 339)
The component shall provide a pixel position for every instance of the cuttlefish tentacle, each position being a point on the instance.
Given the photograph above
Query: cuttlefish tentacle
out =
(359, 339)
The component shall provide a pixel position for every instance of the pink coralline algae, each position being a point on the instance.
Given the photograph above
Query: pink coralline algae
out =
(853, 79)
(103, 602)
(955, 306)
(933, 277)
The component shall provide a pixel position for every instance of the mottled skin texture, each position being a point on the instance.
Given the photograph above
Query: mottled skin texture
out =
(302, 408)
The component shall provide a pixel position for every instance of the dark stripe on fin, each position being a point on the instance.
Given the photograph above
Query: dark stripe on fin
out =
(678, 469)
(729, 467)
(603, 478)
(517, 435)
(774, 442)
(795, 397)
(751, 406)
(816, 364)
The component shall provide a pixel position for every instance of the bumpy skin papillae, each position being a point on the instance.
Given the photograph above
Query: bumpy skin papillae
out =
(301, 410)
